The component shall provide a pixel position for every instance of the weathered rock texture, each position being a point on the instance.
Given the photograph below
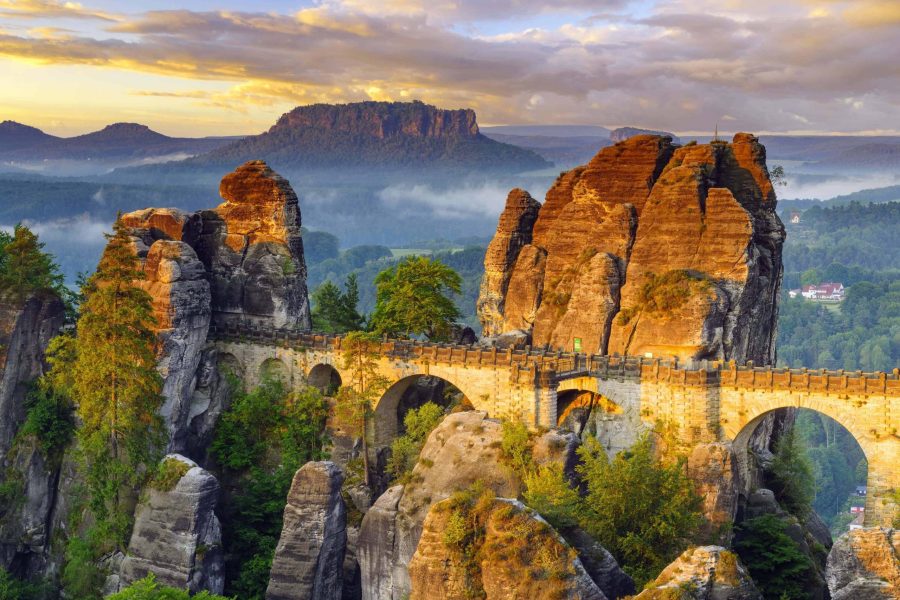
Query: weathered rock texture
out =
(26, 328)
(250, 247)
(177, 535)
(865, 563)
(649, 248)
(713, 468)
(520, 556)
(309, 559)
(463, 449)
(242, 261)
(704, 573)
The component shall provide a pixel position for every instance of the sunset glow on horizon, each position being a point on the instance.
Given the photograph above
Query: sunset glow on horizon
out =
(231, 68)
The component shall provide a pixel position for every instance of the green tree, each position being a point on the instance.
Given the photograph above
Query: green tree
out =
(148, 589)
(335, 311)
(24, 266)
(116, 385)
(418, 424)
(260, 442)
(413, 298)
(643, 511)
(778, 567)
(810, 277)
(793, 478)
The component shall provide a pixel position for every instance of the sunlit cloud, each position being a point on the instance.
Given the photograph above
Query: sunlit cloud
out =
(34, 9)
(767, 65)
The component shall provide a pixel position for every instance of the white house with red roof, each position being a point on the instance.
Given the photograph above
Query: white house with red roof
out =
(826, 292)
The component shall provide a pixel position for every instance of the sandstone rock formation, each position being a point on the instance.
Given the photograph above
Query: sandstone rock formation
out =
(704, 573)
(308, 563)
(463, 449)
(865, 563)
(242, 261)
(252, 249)
(26, 328)
(713, 468)
(600, 564)
(176, 533)
(25, 530)
(649, 248)
(519, 556)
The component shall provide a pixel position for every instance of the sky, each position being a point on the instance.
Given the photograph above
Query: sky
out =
(223, 67)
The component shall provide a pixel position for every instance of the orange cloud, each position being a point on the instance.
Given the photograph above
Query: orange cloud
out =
(33, 9)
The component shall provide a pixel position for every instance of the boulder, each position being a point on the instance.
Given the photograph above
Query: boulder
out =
(176, 281)
(865, 563)
(513, 232)
(518, 555)
(176, 533)
(308, 563)
(600, 564)
(703, 573)
(462, 449)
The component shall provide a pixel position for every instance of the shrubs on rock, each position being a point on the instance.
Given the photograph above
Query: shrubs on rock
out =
(148, 589)
(405, 449)
(793, 479)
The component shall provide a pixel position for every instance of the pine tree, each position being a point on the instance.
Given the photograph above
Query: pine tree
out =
(361, 389)
(115, 382)
(335, 311)
(25, 267)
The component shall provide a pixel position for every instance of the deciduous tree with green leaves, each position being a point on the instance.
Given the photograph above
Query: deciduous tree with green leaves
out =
(413, 298)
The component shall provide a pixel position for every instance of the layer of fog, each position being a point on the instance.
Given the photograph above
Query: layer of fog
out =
(76, 243)
(87, 167)
(479, 201)
(823, 187)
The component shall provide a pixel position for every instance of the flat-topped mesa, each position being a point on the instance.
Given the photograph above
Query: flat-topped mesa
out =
(650, 248)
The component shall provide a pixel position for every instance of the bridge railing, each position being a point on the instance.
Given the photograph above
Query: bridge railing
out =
(565, 365)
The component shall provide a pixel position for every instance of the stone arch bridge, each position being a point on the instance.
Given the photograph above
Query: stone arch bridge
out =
(700, 402)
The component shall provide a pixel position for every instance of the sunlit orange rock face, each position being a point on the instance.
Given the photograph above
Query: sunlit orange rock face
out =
(650, 248)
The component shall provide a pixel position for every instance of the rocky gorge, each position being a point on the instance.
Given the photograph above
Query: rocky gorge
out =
(651, 248)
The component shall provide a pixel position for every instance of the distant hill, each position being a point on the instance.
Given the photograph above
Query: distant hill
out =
(374, 134)
(552, 131)
(623, 133)
(563, 152)
(119, 141)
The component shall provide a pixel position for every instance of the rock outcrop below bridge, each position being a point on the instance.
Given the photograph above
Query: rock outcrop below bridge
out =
(650, 248)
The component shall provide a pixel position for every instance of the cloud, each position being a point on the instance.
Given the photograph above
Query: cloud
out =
(761, 62)
(42, 9)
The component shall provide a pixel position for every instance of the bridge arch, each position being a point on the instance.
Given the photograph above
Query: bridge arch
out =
(879, 449)
(228, 364)
(325, 377)
(606, 410)
(275, 368)
(404, 395)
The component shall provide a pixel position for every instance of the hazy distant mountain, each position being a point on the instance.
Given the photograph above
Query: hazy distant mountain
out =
(15, 136)
(119, 141)
(623, 133)
(562, 151)
(375, 134)
(552, 131)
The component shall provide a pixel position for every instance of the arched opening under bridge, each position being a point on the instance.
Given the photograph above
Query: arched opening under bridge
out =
(838, 460)
(274, 369)
(407, 394)
(326, 378)
(590, 413)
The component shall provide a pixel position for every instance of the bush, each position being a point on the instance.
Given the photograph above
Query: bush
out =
(641, 510)
(547, 490)
(148, 589)
(15, 589)
(169, 474)
(515, 447)
(776, 564)
(49, 420)
(405, 450)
